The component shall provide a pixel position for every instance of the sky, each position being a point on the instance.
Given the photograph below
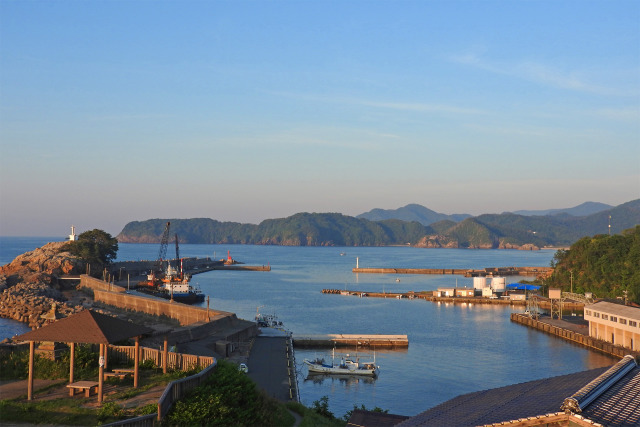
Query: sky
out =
(119, 111)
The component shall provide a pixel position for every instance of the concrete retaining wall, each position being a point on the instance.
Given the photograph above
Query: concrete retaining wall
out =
(584, 340)
(114, 295)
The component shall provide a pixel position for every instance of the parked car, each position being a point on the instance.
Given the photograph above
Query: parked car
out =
(243, 368)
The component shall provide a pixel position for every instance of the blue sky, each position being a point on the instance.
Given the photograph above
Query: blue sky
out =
(114, 111)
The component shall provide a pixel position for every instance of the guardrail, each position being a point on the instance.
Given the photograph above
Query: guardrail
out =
(294, 391)
(176, 390)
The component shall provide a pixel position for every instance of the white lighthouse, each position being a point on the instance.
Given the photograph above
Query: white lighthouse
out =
(73, 236)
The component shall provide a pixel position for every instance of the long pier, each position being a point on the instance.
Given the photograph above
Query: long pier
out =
(352, 340)
(466, 272)
(428, 296)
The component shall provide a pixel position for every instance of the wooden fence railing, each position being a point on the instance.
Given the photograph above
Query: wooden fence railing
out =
(177, 361)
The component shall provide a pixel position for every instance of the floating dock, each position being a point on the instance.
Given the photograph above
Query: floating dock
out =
(351, 340)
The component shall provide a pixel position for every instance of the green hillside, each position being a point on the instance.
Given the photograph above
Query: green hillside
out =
(606, 265)
(505, 230)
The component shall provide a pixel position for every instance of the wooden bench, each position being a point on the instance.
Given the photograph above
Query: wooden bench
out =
(82, 385)
(120, 375)
(124, 371)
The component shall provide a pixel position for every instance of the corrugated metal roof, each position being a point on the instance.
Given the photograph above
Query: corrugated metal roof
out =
(86, 327)
(616, 309)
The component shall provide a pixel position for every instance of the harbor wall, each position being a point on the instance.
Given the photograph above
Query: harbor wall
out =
(575, 337)
(351, 340)
(111, 294)
(487, 272)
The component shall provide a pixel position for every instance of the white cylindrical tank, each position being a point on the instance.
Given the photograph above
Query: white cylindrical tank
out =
(499, 284)
(479, 283)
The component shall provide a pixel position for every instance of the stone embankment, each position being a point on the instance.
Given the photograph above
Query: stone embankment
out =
(29, 288)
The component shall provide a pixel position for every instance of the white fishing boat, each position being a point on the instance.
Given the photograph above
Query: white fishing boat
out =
(347, 366)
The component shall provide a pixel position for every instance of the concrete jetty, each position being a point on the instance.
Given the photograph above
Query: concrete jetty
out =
(352, 340)
(466, 272)
(575, 331)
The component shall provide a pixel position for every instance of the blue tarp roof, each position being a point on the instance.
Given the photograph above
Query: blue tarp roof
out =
(522, 286)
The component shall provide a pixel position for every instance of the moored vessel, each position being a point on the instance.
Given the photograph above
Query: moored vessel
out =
(347, 366)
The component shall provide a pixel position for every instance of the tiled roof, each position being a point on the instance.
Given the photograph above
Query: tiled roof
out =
(86, 327)
(360, 418)
(619, 405)
(616, 309)
(608, 396)
(513, 402)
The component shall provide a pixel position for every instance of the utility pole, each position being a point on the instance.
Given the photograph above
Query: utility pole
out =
(609, 225)
(571, 281)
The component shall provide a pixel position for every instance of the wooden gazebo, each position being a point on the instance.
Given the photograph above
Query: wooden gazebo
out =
(86, 327)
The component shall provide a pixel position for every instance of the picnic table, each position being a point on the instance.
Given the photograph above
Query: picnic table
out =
(124, 370)
(82, 385)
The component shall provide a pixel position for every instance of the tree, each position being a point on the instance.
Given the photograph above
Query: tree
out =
(95, 247)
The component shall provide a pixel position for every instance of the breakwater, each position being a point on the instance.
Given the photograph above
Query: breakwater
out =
(466, 272)
(351, 340)
(542, 302)
(573, 336)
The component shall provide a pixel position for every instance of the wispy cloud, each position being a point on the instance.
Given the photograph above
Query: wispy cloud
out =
(540, 73)
(401, 106)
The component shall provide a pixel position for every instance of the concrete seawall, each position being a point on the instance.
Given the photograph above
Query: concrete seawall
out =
(351, 340)
(572, 336)
(467, 272)
(111, 294)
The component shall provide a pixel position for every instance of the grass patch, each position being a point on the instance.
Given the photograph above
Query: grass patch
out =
(311, 418)
(59, 411)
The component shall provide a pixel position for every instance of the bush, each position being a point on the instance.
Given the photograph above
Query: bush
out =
(228, 397)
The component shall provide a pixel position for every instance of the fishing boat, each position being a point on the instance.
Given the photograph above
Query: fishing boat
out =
(267, 320)
(174, 285)
(347, 366)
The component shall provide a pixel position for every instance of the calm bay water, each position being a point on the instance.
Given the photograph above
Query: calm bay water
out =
(453, 349)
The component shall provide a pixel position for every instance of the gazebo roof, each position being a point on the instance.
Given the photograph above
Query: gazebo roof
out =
(86, 327)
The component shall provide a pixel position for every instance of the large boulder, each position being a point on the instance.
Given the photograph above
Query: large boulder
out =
(30, 287)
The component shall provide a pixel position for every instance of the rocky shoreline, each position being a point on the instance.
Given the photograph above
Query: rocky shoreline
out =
(30, 289)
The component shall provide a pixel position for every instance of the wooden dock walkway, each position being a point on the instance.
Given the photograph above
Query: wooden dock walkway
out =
(352, 340)
(466, 272)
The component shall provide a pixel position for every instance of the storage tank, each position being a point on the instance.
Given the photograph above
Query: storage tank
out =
(479, 283)
(499, 284)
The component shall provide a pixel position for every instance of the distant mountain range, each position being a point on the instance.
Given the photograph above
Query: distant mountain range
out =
(410, 213)
(587, 208)
(506, 230)
(425, 216)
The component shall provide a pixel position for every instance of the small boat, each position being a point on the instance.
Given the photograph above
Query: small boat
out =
(347, 366)
(268, 320)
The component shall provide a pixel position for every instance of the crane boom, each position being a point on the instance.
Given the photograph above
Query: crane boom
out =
(163, 247)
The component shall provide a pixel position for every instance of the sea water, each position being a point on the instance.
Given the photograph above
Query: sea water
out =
(453, 348)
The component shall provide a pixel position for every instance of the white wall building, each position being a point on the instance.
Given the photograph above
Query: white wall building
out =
(615, 323)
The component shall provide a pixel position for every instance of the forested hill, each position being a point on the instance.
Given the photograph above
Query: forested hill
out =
(334, 229)
(602, 264)
(302, 229)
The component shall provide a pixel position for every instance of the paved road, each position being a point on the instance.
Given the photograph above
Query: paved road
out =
(268, 366)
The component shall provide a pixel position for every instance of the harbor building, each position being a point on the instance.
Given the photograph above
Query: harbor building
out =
(615, 323)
